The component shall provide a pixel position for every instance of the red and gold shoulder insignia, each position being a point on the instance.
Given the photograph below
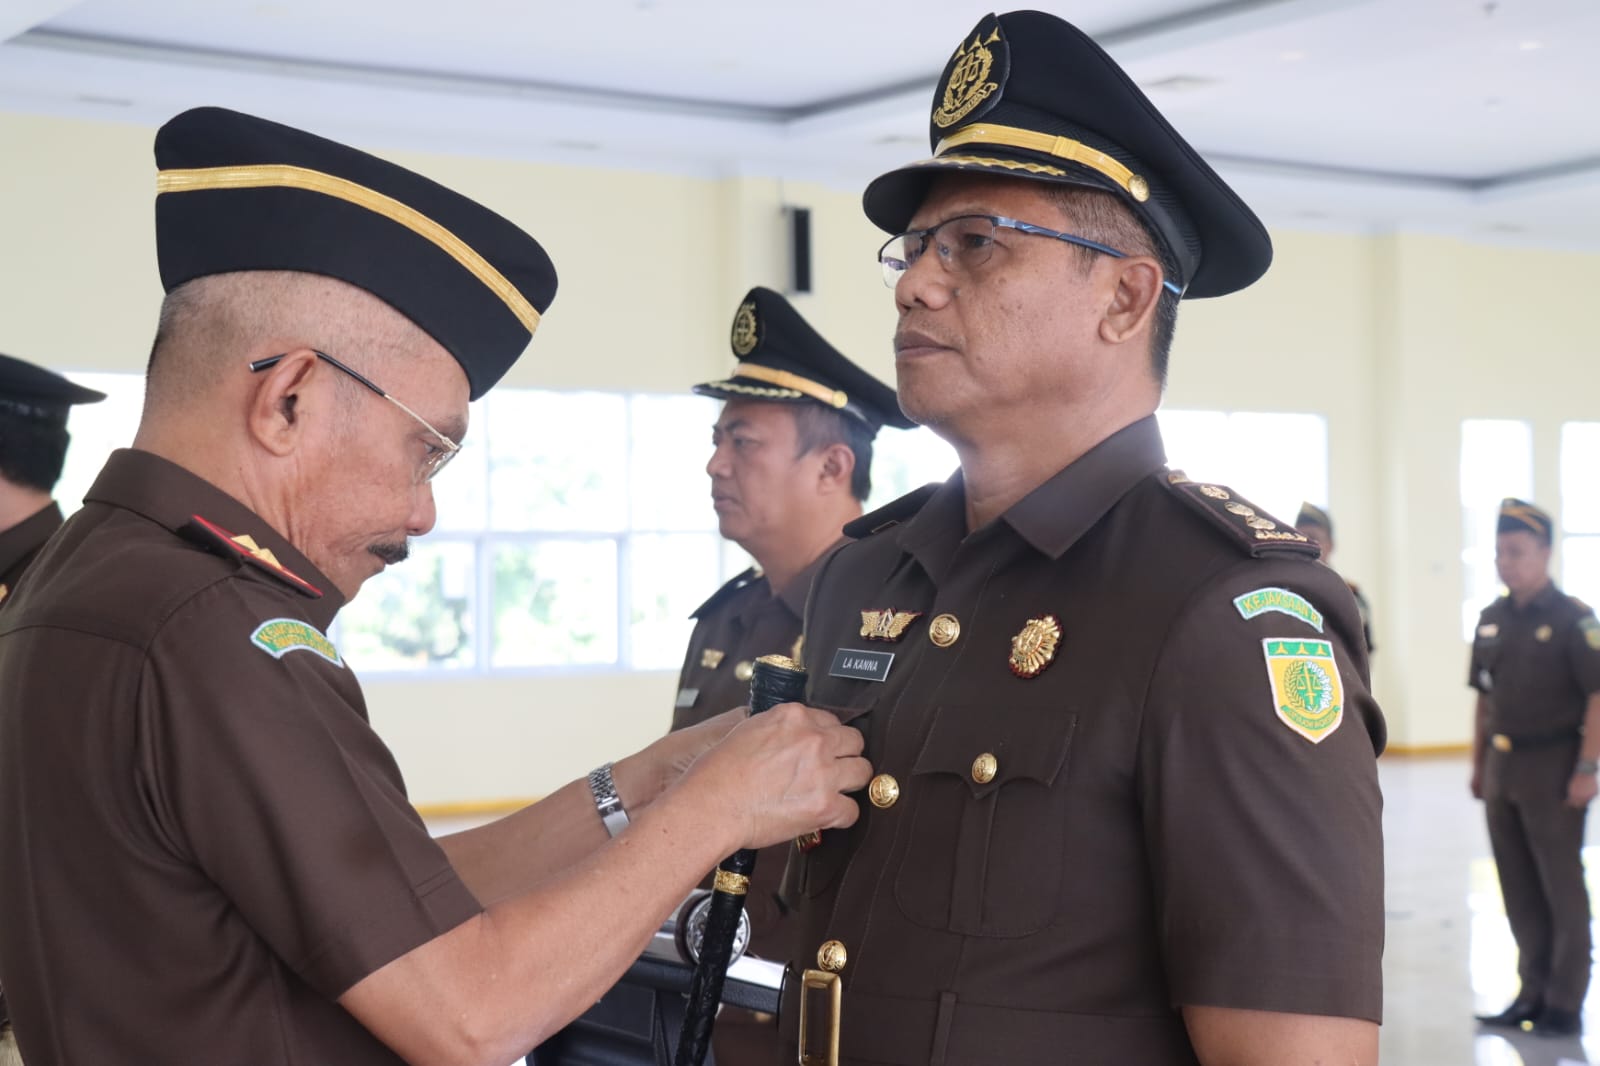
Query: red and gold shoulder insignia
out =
(244, 546)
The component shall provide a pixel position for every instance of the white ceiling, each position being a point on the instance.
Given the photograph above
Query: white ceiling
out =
(1462, 116)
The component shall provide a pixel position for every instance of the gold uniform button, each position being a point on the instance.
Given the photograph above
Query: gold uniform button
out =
(883, 791)
(1501, 742)
(984, 767)
(1138, 188)
(744, 670)
(944, 630)
(831, 956)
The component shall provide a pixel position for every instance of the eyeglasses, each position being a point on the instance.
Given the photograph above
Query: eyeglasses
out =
(437, 459)
(966, 242)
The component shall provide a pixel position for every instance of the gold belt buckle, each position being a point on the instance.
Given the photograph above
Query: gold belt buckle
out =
(827, 984)
(1501, 742)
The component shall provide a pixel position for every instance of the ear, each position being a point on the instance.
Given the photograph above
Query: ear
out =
(837, 468)
(275, 414)
(1133, 301)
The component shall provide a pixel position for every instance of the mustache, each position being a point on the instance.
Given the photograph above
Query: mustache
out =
(391, 552)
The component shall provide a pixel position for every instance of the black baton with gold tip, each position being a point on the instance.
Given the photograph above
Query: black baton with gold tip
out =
(777, 679)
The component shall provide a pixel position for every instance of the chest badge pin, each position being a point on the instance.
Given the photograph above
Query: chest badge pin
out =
(1034, 647)
(888, 624)
(1543, 634)
(711, 658)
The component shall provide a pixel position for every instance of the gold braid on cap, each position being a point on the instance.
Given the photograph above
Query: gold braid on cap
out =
(1529, 514)
(1049, 144)
(274, 175)
(804, 386)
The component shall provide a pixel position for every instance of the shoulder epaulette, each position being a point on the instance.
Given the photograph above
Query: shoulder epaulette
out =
(737, 582)
(1247, 526)
(244, 547)
(890, 514)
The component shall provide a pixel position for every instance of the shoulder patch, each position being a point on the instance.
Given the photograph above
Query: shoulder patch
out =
(1280, 601)
(1251, 529)
(737, 582)
(280, 636)
(244, 547)
(890, 514)
(1591, 630)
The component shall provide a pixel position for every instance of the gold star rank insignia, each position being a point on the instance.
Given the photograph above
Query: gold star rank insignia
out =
(711, 658)
(1034, 648)
(888, 624)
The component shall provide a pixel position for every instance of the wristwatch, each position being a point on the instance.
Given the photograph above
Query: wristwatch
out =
(606, 800)
(1586, 766)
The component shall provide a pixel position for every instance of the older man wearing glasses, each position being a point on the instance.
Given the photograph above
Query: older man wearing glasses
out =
(206, 853)
(1127, 807)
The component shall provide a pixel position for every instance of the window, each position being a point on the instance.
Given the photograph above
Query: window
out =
(1278, 461)
(97, 430)
(907, 459)
(1580, 510)
(1496, 462)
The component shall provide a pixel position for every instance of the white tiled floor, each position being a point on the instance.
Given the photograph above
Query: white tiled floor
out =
(1449, 954)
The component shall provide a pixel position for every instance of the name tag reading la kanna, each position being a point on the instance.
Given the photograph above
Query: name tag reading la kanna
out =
(861, 665)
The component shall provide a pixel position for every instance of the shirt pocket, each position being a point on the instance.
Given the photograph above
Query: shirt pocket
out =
(986, 857)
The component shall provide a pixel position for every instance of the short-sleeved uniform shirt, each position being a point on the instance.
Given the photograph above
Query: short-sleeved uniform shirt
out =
(1135, 761)
(205, 841)
(1537, 663)
(20, 543)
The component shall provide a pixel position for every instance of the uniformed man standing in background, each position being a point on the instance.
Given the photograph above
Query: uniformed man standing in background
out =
(1126, 807)
(1535, 746)
(34, 404)
(1317, 525)
(791, 463)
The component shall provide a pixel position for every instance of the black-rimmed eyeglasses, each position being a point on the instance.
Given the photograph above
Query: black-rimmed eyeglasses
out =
(966, 242)
(438, 458)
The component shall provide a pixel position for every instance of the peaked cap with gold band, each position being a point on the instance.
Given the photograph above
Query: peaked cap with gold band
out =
(236, 192)
(1027, 95)
(783, 360)
(1520, 516)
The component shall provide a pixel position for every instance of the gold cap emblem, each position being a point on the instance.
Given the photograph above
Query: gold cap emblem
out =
(984, 767)
(1035, 646)
(944, 630)
(831, 956)
(744, 329)
(969, 83)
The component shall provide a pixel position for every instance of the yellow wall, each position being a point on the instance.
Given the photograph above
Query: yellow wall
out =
(1393, 338)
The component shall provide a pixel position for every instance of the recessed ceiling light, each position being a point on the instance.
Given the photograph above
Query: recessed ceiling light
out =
(1530, 46)
(1293, 55)
(899, 138)
(577, 146)
(1179, 83)
(104, 101)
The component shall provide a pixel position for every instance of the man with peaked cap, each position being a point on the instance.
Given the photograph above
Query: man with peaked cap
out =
(1126, 807)
(1317, 525)
(790, 465)
(210, 855)
(34, 403)
(1535, 745)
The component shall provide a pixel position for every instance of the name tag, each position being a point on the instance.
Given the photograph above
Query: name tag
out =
(687, 696)
(860, 665)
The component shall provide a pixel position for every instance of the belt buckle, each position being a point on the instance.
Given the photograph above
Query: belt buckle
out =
(1501, 742)
(829, 985)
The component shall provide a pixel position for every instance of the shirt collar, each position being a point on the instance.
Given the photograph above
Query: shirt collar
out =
(25, 537)
(173, 497)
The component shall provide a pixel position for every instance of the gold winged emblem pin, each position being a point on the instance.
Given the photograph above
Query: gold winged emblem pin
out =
(888, 624)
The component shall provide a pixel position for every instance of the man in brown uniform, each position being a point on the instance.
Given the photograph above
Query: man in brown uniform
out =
(209, 854)
(791, 464)
(34, 403)
(1535, 742)
(1317, 525)
(1126, 808)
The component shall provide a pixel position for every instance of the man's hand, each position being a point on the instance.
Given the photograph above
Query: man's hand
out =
(645, 775)
(1580, 790)
(783, 773)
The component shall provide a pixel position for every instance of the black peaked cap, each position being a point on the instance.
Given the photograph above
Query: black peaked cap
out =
(236, 192)
(1520, 516)
(783, 360)
(1028, 95)
(32, 392)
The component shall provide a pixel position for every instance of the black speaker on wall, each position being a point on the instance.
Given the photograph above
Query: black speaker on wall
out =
(799, 249)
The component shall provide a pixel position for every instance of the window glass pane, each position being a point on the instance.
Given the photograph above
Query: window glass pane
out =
(671, 442)
(417, 615)
(1580, 486)
(98, 429)
(1580, 568)
(1197, 443)
(1230, 448)
(555, 602)
(672, 575)
(907, 459)
(461, 491)
(1496, 462)
(556, 460)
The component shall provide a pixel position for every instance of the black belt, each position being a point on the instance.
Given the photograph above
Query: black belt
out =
(1505, 742)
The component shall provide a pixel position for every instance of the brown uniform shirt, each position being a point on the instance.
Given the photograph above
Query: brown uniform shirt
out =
(20, 543)
(1537, 664)
(205, 842)
(1147, 830)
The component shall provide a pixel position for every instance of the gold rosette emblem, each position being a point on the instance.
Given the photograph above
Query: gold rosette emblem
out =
(744, 329)
(968, 84)
(1033, 649)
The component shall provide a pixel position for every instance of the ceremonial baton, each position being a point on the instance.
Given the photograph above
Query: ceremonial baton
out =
(776, 679)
